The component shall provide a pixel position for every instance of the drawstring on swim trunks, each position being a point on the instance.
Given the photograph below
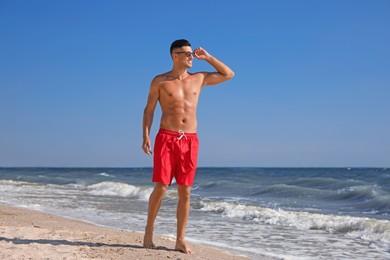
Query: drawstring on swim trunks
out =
(181, 132)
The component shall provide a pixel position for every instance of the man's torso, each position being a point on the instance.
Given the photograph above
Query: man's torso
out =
(178, 100)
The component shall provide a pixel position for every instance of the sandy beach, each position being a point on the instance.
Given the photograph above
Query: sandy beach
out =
(28, 234)
(100, 214)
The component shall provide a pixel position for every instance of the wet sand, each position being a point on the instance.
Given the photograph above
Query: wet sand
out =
(28, 234)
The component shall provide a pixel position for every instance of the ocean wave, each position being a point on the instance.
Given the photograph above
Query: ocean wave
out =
(105, 174)
(324, 183)
(119, 189)
(367, 198)
(357, 193)
(284, 190)
(12, 183)
(379, 204)
(209, 185)
(364, 197)
(106, 188)
(354, 227)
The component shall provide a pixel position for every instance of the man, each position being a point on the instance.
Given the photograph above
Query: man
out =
(176, 145)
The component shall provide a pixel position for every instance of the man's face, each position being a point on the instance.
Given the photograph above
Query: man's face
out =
(183, 56)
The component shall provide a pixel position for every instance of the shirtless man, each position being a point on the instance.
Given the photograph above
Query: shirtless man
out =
(176, 145)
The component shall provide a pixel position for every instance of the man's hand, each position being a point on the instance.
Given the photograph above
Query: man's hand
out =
(201, 54)
(147, 146)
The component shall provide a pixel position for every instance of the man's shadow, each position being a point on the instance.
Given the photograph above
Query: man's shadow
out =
(55, 242)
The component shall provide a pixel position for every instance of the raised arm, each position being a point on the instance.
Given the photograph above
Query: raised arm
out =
(148, 116)
(223, 72)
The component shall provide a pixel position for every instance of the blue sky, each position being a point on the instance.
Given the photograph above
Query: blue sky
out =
(312, 84)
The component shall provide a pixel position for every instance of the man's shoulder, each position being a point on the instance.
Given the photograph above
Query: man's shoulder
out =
(199, 73)
(160, 77)
(163, 75)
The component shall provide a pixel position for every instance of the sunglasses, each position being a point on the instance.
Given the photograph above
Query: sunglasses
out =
(187, 53)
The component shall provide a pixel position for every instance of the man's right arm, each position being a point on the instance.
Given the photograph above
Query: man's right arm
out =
(223, 72)
(148, 116)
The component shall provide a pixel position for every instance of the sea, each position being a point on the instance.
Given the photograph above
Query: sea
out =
(280, 213)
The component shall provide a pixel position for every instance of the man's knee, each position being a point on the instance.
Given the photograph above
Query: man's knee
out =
(184, 192)
(160, 188)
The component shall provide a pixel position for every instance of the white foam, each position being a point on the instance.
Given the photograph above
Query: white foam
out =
(11, 182)
(243, 250)
(109, 188)
(145, 194)
(353, 227)
(113, 189)
(105, 174)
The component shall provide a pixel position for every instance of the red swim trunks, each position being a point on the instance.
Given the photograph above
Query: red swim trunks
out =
(175, 155)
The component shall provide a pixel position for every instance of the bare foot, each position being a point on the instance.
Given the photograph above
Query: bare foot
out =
(182, 246)
(148, 241)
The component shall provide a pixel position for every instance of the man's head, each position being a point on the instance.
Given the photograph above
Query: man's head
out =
(178, 44)
(181, 53)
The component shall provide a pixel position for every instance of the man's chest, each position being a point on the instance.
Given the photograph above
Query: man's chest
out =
(185, 89)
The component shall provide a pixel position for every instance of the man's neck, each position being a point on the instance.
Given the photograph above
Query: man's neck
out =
(179, 73)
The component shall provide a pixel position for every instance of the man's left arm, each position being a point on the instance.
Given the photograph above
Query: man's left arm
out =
(223, 72)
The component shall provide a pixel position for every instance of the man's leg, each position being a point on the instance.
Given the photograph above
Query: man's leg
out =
(183, 210)
(154, 205)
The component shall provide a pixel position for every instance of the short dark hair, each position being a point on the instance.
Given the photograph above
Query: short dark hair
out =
(179, 43)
